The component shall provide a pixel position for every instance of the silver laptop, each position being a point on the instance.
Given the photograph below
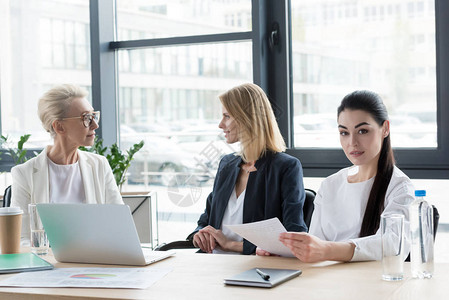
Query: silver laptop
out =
(95, 233)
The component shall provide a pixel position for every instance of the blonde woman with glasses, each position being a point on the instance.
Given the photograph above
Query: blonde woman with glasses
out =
(257, 183)
(61, 173)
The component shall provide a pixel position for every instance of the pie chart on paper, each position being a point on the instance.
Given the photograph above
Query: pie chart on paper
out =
(93, 276)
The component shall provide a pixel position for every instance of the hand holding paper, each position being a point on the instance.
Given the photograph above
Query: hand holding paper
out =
(264, 234)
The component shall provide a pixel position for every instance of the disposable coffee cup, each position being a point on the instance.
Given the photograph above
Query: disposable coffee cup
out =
(10, 229)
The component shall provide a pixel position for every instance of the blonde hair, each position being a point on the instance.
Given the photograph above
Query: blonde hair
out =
(258, 130)
(55, 103)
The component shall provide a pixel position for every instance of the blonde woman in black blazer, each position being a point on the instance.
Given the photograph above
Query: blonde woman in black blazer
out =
(260, 182)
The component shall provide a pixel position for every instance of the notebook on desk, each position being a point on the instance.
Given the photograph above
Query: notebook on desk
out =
(22, 262)
(256, 277)
(95, 233)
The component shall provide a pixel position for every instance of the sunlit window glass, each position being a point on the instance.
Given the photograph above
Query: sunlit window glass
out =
(344, 45)
(168, 97)
(180, 98)
(44, 43)
(160, 19)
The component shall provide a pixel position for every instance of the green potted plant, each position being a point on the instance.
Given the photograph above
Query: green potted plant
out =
(118, 160)
(18, 154)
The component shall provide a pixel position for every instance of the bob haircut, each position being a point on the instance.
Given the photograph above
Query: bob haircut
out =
(258, 130)
(55, 103)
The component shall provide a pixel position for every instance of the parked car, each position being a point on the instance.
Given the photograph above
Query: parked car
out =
(151, 129)
(408, 131)
(316, 130)
(207, 145)
(161, 161)
(125, 130)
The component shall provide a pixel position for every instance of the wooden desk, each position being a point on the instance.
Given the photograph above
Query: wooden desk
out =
(200, 276)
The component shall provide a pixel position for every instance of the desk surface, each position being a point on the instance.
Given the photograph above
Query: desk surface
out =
(200, 276)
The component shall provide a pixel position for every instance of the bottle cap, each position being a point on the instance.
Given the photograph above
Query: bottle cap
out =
(420, 193)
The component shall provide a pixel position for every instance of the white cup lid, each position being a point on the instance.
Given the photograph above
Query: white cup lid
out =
(6, 211)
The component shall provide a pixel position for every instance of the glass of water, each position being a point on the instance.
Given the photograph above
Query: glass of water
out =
(39, 240)
(392, 232)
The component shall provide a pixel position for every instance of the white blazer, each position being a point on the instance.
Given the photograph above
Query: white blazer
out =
(31, 183)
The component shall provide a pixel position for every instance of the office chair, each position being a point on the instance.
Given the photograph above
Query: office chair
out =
(7, 197)
(308, 206)
(436, 220)
(188, 243)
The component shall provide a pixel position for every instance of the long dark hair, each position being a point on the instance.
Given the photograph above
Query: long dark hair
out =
(372, 103)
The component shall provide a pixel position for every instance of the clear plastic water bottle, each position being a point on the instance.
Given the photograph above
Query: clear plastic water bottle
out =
(421, 228)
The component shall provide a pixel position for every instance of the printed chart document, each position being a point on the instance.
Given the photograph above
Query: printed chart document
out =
(127, 278)
(253, 278)
(264, 234)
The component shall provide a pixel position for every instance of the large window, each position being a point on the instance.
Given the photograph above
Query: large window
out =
(384, 46)
(168, 96)
(395, 48)
(44, 43)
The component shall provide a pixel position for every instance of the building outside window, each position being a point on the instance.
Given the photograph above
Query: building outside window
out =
(168, 96)
(44, 43)
(363, 50)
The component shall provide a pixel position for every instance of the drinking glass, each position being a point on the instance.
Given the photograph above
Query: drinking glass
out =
(39, 240)
(392, 234)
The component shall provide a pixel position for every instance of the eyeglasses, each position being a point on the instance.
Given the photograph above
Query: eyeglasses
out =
(87, 118)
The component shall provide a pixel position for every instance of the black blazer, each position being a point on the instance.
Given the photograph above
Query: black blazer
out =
(276, 189)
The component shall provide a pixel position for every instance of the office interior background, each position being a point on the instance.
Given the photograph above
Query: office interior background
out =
(155, 68)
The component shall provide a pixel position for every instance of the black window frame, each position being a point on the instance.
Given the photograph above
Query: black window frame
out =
(425, 163)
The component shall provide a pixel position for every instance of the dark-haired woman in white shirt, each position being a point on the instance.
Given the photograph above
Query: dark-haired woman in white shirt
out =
(348, 205)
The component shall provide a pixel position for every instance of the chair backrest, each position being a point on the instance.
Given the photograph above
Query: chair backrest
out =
(436, 220)
(7, 197)
(308, 206)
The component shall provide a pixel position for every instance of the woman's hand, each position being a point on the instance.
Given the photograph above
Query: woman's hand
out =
(309, 248)
(218, 239)
(203, 240)
(262, 252)
(306, 247)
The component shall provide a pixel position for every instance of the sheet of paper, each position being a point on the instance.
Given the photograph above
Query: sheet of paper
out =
(129, 278)
(264, 234)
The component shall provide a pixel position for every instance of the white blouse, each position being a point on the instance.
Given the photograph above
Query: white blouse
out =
(232, 215)
(66, 183)
(340, 207)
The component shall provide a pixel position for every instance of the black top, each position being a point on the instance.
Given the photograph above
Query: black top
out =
(276, 189)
